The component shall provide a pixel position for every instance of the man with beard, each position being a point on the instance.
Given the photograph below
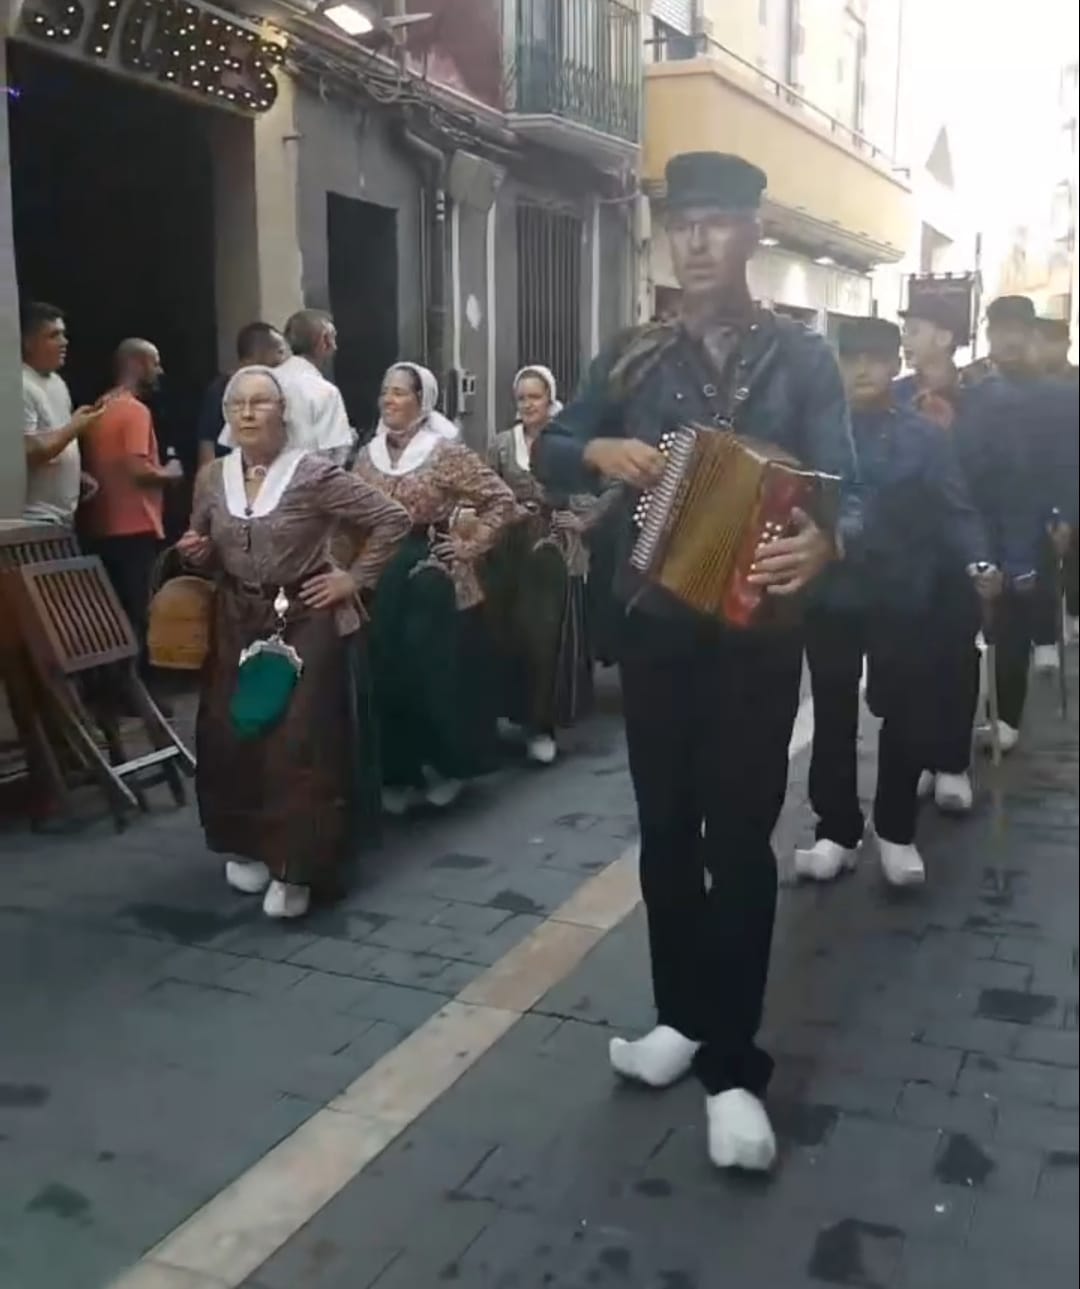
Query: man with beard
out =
(123, 521)
(709, 710)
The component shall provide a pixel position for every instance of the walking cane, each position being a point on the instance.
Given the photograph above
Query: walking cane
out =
(990, 667)
(1059, 625)
(990, 681)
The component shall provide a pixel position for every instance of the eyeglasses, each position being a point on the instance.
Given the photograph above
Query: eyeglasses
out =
(260, 406)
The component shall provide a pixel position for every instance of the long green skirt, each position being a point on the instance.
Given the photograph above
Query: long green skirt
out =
(536, 615)
(431, 671)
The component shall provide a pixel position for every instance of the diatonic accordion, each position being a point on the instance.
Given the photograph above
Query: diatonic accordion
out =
(720, 497)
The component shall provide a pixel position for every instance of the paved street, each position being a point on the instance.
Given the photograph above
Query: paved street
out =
(926, 1097)
(158, 1039)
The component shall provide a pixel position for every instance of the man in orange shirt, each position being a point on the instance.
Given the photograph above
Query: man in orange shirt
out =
(123, 522)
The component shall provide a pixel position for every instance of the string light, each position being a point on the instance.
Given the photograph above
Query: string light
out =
(63, 30)
(173, 41)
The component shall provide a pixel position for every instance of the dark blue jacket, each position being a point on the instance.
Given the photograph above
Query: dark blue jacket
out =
(1017, 443)
(940, 406)
(653, 379)
(918, 520)
(211, 415)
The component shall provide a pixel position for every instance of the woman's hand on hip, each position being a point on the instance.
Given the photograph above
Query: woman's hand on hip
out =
(326, 590)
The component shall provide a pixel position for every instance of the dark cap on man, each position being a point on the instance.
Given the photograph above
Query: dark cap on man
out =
(1016, 309)
(714, 179)
(869, 337)
(940, 313)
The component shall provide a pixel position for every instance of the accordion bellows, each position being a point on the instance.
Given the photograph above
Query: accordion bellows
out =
(720, 497)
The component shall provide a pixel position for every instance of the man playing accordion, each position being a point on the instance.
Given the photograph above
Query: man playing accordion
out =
(709, 708)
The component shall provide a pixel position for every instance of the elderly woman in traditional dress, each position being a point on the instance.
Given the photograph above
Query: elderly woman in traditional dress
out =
(428, 639)
(536, 582)
(280, 762)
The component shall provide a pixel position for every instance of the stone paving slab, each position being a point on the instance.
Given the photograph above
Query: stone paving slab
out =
(158, 1036)
(925, 1099)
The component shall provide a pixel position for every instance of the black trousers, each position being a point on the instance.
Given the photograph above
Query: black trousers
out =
(709, 716)
(1045, 599)
(951, 676)
(835, 648)
(129, 562)
(898, 691)
(1014, 621)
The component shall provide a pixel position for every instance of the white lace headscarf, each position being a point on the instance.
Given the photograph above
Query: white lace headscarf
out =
(546, 375)
(256, 369)
(430, 417)
(521, 444)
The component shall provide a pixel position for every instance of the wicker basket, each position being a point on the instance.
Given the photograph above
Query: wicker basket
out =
(178, 635)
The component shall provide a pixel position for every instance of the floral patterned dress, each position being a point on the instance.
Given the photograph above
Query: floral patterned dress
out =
(429, 647)
(290, 797)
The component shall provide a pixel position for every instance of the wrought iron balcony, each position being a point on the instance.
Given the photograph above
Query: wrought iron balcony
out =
(578, 62)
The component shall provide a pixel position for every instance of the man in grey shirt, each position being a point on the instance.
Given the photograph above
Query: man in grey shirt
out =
(51, 429)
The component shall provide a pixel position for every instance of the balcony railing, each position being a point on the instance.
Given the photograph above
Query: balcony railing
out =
(678, 48)
(579, 60)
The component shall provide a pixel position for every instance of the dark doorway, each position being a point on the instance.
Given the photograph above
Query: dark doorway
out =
(362, 246)
(112, 193)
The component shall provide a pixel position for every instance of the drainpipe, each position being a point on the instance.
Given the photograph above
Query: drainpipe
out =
(432, 163)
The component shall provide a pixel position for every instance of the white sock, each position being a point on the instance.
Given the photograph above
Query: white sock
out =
(740, 1134)
(660, 1058)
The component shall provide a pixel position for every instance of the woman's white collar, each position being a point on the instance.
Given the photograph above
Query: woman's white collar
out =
(278, 477)
(415, 453)
(521, 448)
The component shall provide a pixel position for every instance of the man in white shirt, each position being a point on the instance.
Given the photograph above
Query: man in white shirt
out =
(318, 421)
(51, 429)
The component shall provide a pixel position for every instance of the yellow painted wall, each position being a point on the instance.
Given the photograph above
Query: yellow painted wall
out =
(698, 105)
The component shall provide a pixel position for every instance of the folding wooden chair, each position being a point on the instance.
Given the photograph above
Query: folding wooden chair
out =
(43, 784)
(75, 630)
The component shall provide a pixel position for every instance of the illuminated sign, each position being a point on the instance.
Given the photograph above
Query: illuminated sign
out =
(189, 46)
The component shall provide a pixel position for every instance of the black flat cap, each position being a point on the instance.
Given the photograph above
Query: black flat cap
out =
(1011, 308)
(875, 337)
(942, 313)
(716, 179)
